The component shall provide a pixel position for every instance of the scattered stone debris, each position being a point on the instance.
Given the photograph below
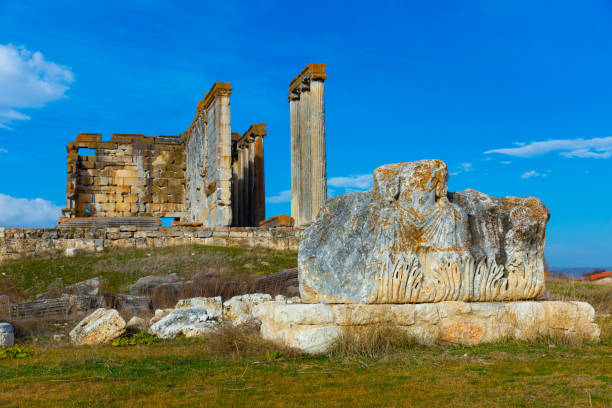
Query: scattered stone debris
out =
(7, 335)
(100, 327)
(89, 287)
(188, 321)
(213, 305)
(159, 314)
(70, 252)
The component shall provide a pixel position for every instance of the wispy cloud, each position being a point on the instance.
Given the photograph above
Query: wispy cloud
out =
(24, 212)
(462, 168)
(282, 197)
(27, 80)
(358, 182)
(506, 162)
(596, 148)
(533, 173)
(3, 150)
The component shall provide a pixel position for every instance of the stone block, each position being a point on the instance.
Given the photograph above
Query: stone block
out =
(100, 327)
(314, 327)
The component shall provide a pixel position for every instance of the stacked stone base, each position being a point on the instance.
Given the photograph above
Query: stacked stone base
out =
(313, 328)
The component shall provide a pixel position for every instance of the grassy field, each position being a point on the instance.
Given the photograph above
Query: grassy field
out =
(192, 373)
(23, 279)
(238, 368)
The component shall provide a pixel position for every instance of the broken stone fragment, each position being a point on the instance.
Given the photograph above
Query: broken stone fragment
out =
(100, 327)
(409, 241)
(189, 321)
(212, 305)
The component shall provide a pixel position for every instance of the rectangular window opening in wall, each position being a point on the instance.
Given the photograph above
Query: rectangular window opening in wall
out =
(84, 151)
(167, 221)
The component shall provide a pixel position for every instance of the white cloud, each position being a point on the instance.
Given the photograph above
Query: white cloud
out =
(27, 80)
(282, 197)
(533, 173)
(24, 212)
(353, 183)
(596, 148)
(3, 150)
(462, 168)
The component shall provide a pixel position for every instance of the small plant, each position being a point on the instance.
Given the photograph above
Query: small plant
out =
(140, 338)
(16, 351)
(272, 355)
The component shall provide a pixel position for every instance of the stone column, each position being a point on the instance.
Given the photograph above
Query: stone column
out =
(294, 106)
(241, 196)
(317, 147)
(260, 183)
(251, 148)
(246, 193)
(308, 161)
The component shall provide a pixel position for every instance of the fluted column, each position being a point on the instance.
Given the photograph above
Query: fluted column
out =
(251, 149)
(305, 193)
(260, 184)
(308, 162)
(246, 184)
(317, 149)
(240, 185)
(294, 106)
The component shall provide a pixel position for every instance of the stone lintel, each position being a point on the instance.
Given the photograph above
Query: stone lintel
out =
(255, 130)
(310, 72)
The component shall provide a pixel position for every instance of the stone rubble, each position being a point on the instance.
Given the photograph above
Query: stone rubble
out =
(100, 327)
(188, 321)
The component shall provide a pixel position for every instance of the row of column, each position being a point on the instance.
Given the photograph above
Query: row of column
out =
(248, 185)
(308, 161)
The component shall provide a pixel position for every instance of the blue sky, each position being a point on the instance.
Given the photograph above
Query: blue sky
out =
(515, 96)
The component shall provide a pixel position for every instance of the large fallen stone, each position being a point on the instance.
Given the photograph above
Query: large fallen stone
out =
(100, 327)
(314, 328)
(89, 287)
(409, 241)
(7, 335)
(212, 305)
(189, 321)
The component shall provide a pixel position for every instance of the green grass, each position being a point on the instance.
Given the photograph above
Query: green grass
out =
(190, 373)
(119, 268)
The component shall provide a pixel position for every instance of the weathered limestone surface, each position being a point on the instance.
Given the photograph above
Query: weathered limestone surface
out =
(7, 335)
(208, 153)
(308, 160)
(314, 327)
(213, 305)
(189, 321)
(409, 241)
(128, 175)
(100, 327)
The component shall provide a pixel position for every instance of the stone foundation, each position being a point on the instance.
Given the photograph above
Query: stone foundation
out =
(17, 243)
(314, 327)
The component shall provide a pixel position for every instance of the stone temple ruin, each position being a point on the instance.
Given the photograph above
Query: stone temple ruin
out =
(208, 175)
(460, 267)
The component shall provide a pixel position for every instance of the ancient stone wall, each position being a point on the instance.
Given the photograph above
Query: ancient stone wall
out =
(248, 185)
(125, 176)
(308, 158)
(208, 150)
(16, 243)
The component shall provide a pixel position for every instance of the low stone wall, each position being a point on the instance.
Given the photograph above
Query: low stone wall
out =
(17, 243)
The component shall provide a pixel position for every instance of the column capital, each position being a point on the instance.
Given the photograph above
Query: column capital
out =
(312, 72)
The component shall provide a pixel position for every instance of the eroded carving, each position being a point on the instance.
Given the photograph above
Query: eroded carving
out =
(408, 241)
